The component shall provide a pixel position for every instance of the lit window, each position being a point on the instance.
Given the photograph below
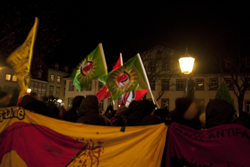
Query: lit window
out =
(14, 78)
(199, 84)
(7, 77)
(58, 80)
(52, 78)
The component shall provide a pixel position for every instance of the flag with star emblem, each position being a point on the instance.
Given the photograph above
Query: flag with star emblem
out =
(126, 78)
(91, 67)
(104, 93)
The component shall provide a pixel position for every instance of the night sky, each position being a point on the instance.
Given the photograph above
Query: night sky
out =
(69, 31)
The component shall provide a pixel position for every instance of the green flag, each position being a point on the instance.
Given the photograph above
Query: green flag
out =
(91, 67)
(126, 78)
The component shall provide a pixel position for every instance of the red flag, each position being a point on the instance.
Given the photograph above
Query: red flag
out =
(133, 95)
(104, 92)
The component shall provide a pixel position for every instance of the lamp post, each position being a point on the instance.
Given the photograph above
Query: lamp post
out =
(186, 64)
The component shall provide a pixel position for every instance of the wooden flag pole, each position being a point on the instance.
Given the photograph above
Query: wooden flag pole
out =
(146, 77)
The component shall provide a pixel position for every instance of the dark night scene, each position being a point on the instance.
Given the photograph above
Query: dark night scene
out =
(138, 84)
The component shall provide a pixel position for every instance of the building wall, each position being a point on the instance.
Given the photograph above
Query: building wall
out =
(61, 85)
(5, 85)
(203, 95)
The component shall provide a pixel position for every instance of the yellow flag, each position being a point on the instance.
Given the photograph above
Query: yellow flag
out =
(20, 59)
(30, 139)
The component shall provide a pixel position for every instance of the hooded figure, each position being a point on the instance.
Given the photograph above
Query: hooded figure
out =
(90, 114)
(186, 113)
(142, 114)
(32, 104)
(120, 118)
(219, 112)
(73, 114)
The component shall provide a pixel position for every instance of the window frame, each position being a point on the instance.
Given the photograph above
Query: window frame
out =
(198, 88)
(59, 79)
(6, 76)
(71, 86)
(184, 83)
(14, 76)
(210, 79)
(229, 80)
(162, 83)
(52, 80)
(162, 100)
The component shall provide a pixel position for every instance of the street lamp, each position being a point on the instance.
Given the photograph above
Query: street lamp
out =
(186, 64)
(28, 91)
(59, 101)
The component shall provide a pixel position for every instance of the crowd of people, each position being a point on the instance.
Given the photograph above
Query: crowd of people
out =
(85, 110)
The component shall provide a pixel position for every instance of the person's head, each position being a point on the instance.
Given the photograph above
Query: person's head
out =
(146, 107)
(186, 113)
(162, 113)
(76, 103)
(219, 112)
(4, 98)
(89, 105)
(32, 104)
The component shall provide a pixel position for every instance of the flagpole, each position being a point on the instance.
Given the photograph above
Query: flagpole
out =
(146, 77)
(103, 56)
(121, 65)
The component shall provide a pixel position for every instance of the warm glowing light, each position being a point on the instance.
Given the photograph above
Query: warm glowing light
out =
(59, 100)
(28, 90)
(186, 64)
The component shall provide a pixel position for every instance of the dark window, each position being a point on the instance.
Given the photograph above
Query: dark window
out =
(248, 106)
(213, 83)
(229, 83)
(71, 86)
(100, 85)
(70, 100)
(165, 65)
(51, 88)
(57, 91)
(199, 85)
(165, 84)
(180, 84)
(152, 66)
(89, 88)
(152, 85)
(165, 103)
